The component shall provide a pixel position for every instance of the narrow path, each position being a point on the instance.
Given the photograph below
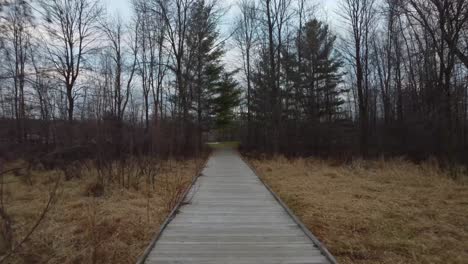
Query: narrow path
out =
(231, 217)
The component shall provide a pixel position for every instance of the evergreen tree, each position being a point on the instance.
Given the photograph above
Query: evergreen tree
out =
(215, 92)
(319, 71)
(204, 66)
(309, 88)
(227, 98)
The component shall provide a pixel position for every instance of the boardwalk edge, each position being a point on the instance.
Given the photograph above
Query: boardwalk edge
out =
(172, 214)
(301, 225)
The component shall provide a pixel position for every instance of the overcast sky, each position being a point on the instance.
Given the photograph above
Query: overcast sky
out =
(123, 7)
(327, 11)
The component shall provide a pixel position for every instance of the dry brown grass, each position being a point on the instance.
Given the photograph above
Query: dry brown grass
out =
(113, 228)
(379, 211)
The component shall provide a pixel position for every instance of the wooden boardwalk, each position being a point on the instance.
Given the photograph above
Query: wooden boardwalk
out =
(229, 216)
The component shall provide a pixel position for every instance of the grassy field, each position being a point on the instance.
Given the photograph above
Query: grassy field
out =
(115, 227)
(380, 211)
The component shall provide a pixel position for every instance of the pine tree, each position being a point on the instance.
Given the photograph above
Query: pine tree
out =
(320, 71)
(309, 84)
(227, 98)
(215, 92)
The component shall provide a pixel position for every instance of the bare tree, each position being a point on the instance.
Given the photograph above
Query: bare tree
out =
(16, 40)
(246, 38)
(115, 32)
(360, 15)
(176, 15)
(72, 28)
(448, 18)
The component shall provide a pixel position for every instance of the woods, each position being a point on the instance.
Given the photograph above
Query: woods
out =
(391, 82)
(73, 75)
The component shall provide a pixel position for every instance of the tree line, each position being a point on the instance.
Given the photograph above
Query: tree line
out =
(391, 81)
(73, 75)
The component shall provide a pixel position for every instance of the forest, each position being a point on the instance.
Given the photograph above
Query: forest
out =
(85, 91)
(393, 82)
(390, 81)
(72, 76)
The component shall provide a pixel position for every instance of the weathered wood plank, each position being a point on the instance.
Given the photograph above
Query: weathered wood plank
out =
(239, 260)
(229, 216)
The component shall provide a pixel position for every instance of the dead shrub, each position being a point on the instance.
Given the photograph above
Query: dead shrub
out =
(72, 170)
(92, 233)
(92, 221)
(94, 189)
(6, 232)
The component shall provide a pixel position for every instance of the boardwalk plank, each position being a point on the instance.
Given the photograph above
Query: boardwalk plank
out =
(230, 217)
